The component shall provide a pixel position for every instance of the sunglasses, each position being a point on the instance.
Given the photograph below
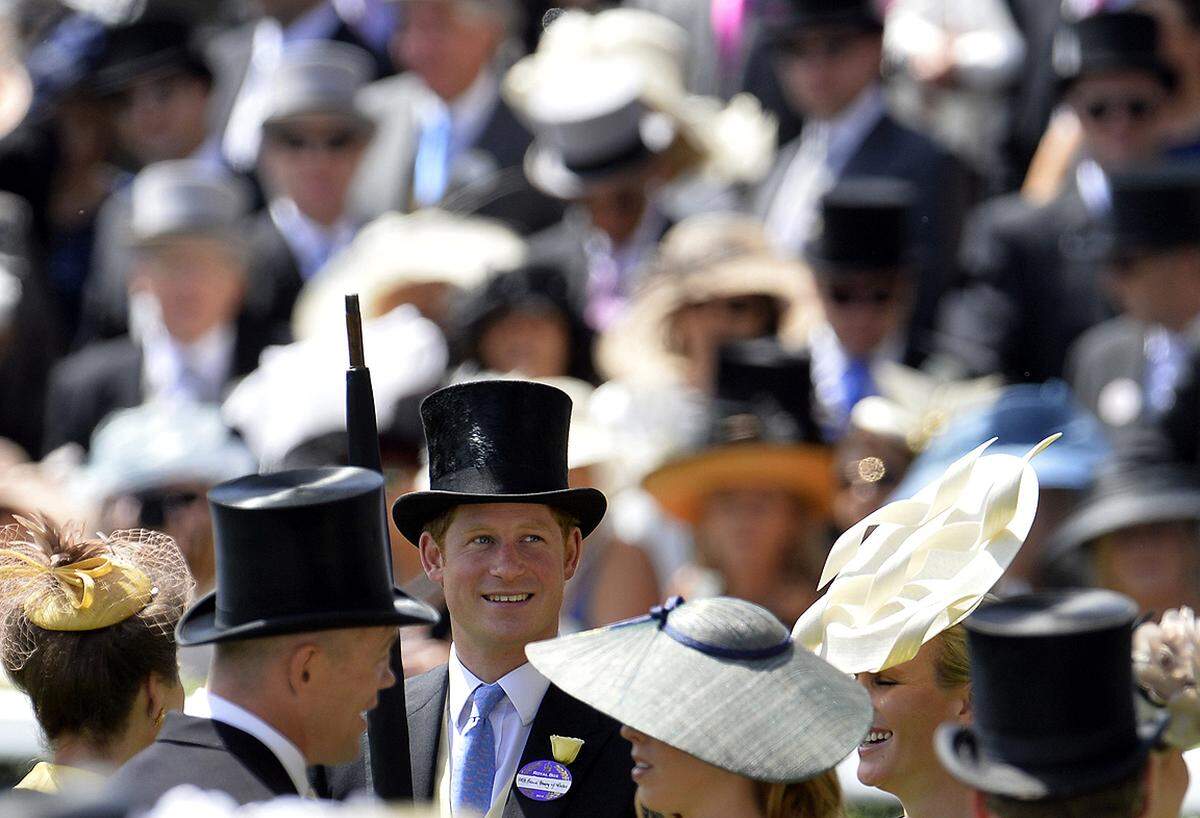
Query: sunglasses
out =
(1136, 109)
(296, 142)
(157, 506)
(845, 296)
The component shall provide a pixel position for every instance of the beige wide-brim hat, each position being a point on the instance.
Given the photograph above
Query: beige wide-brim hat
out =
(398, 251)
(704, 258)
(719, 679)
(682, 486)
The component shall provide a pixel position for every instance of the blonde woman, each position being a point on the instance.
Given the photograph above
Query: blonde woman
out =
(87, 631)
(893, 611)
(727, 715)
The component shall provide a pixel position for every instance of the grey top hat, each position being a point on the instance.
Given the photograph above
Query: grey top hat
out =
(319, 77)
(186, 197)
(590, 125)
(720, 679)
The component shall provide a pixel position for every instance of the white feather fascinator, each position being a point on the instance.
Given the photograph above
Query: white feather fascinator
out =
(915, 567)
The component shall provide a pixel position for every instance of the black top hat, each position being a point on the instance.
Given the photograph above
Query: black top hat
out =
(1142, 483)
(155, 45)
(864, 225)
(299, 551)
(1110, 42)
(863, 14)
(1052, 682)
(497, 442)
(764, 394)
(1155, 208)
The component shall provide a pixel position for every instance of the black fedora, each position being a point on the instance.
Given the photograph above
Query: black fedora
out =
(864, 225)
(1154, 208)
(1141, 483)
(497, 442)
(1052, 682)
(299, 551)
(1110, 41)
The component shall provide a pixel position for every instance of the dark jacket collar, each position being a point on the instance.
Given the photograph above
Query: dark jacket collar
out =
(252, 753)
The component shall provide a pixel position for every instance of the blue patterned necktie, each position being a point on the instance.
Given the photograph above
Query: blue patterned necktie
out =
(472, 783)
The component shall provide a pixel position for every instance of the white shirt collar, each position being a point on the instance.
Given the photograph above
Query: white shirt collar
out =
(163, 358)
(469, 112)
(1093, 187)
(311, 243)
(289, 754)
(849, 128)
(524, 688)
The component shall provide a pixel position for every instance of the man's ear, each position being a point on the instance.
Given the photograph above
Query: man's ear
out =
(962, 705)
(300, 667)
(573, 551)
(433, 561)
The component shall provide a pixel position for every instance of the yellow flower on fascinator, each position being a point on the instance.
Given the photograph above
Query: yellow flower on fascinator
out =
(1166, 662)
(926, 563)
(89, 594)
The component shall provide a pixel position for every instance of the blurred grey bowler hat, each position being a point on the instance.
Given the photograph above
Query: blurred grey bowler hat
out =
(591, 125)
(186, 197)
(319, 77)
(720, 679)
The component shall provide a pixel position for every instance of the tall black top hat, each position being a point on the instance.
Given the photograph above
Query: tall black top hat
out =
(1052, 682)
(497, 442)
(864, 14)
(1114, 41)
(1155, 208)
(299, 551)
(156, 45)
(864, 225)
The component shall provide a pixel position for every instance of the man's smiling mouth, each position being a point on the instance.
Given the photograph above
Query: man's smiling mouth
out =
(507, 599)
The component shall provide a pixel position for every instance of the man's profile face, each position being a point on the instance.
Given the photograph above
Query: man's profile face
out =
(502, 567)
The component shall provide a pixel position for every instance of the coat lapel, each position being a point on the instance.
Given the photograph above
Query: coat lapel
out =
(426, 704)
(255, 756)
(564, 716)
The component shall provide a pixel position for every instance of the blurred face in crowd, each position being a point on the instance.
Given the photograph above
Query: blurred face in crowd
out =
(825, 68)
(179, 510)
(766, 544)
(697, 330)
(672, 782)
(502, 568)
(536, 343)
(311, 160)
(1157, 564)
(898, 755)
(198, 282)
(867, 467)
(1122, 116)
(1159, 288)
(339, 682)
(162, 118)
(865, 309)
(448, 42)
(616, 207)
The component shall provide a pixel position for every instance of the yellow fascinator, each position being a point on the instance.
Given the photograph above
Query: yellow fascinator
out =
(916, 567)
(57, 580)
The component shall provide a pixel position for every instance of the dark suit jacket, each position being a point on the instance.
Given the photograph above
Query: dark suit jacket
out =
(1031, 288)
(1106, 353)
(487, 179)
(107, 375)
(601, 787)
(274, 279)
(207, 754)
(944, 187)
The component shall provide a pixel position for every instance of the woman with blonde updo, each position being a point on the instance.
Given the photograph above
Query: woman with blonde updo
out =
(87, 631)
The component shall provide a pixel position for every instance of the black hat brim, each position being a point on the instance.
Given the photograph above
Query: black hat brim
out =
(784, 30)
(960, 753)
(1099, 64)
(198, 625)
(1107, 515)
(412, 511)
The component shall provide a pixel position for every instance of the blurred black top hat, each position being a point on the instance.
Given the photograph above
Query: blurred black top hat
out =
(299, 551)
(760, 431)
(158, 44)
(1155, 208)
(864, 225)
(863, 14)
(1142, 483)
(497, 442)
(1054, 698)
(1110, 41)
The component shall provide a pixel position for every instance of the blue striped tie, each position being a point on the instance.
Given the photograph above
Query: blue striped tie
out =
(472, 785)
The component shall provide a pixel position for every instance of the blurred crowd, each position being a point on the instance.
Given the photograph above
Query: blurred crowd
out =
(790, 259)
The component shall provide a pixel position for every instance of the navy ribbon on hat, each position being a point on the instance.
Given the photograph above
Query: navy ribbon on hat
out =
(661, 614)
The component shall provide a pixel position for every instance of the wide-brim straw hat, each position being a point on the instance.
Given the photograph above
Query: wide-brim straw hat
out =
(398, 251)
(720, 679)
(704, 258)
